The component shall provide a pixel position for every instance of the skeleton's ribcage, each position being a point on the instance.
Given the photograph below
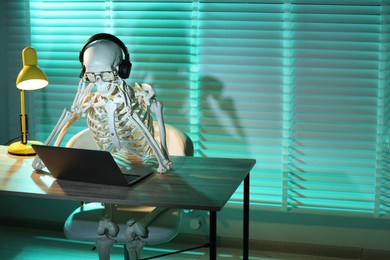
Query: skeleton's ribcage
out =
(131, 140)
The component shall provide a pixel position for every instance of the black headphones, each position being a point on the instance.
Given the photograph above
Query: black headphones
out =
(124, 67)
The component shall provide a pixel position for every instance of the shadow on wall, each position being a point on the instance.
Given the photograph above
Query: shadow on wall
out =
(220, 121)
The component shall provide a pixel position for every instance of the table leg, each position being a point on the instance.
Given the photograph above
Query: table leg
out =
(213, 235)
(246, 219)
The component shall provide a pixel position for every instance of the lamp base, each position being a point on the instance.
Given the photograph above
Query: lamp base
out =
(20, 149)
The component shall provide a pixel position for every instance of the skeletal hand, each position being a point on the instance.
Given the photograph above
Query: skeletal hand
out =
(37, 163)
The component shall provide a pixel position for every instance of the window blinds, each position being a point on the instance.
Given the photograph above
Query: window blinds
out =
(336, 95)
(301, 86)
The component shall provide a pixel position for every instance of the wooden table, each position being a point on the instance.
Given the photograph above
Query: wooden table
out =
(193, 183)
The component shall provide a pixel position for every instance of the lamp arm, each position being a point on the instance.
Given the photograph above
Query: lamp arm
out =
(23, 119)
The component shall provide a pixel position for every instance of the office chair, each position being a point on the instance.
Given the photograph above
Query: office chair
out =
(82, 224)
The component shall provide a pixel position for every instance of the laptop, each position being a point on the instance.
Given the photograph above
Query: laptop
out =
(100, 167)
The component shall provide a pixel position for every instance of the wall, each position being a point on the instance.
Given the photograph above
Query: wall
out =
(3, 75)
(14, 37)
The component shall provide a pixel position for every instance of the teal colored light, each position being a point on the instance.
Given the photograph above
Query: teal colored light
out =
(108, 14)
(195, 113)
(287, 101)
(314, 43)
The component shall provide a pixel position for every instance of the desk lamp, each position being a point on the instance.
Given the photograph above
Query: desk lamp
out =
(31, 77)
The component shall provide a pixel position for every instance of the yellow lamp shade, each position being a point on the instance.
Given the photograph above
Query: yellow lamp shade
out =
(31, 77)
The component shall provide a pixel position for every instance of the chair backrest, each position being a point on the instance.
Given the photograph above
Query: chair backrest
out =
(179, 144)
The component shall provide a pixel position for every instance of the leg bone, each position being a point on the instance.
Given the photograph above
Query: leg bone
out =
(137, 231)
(108, 230)
(134, 234)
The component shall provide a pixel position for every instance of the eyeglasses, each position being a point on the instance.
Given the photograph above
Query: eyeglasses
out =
(105, 76)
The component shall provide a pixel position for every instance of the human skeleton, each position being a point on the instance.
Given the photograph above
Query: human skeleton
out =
(120, 120)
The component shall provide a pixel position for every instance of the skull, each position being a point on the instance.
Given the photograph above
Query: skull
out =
(101, 57)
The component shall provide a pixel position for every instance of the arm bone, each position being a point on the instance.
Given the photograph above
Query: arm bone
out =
(149, 96)
(164, 163)
(156, 108)
(67, 118)
(60, 129)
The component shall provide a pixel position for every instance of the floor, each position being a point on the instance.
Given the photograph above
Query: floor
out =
(28, 244)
